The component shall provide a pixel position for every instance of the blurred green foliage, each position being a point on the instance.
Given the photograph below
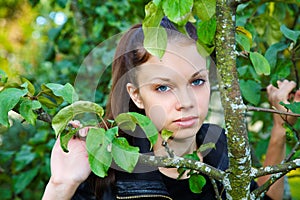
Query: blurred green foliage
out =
(72, 41)
(48, 42)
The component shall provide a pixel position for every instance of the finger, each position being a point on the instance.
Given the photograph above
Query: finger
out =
(285, 89)
(287, 84)
(270, 88)
(297, 96)
(75, 123)
(83, 132)
(279, 83)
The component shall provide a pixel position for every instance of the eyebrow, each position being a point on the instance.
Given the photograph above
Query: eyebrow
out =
(169, 80)
(162, 79)
(197, 73)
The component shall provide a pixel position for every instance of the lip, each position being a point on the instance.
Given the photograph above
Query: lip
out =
(186, 122)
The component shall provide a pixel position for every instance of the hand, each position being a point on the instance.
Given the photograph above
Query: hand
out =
(68, 170)
(282, 94)
(72, 167)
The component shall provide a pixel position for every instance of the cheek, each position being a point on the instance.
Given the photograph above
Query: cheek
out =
(158, 115)
(203, 100)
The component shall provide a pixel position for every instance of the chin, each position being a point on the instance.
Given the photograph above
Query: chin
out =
(185, 133)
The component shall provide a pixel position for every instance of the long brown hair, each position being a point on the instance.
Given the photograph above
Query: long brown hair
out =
(129, 54)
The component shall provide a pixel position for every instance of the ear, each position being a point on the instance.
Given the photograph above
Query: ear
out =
(135, 95)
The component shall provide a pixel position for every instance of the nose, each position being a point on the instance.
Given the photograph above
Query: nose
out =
(185, 99)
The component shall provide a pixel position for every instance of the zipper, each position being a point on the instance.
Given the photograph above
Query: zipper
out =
(145, 196)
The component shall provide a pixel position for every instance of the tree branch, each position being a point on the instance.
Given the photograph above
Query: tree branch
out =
(177, 162)
(262, 189)
(277, 172)
(238, 180)
(280, 168)
(44, 116)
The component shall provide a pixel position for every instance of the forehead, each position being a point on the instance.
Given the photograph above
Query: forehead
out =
(178, 60)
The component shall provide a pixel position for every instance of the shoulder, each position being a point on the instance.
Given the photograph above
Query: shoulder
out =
(217, 157)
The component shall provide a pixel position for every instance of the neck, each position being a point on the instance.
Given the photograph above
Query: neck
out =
(180, 147)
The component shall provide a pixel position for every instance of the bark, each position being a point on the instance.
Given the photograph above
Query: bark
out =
(237, 179)
(177, 162)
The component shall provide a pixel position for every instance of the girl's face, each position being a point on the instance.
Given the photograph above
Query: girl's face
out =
(174, 91)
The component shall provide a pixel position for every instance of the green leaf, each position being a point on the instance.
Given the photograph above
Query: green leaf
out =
(196, 183)
(125, 122)
(204, 9)
(147, 126)
(192, 156)
(268, 27)
(290, 34)
(154, 15)
(30, 86)
(128, 121)
(206, 146)
(282, 71)
(272, 51)
(46, 102)
(206, 31)
(27, 108)
(155, 37)
(100, 158)
(8, 100)
(112, 133)
(243, 41)
(3, 77)
(40, 137)
(178, 11)
(181, 171)
(294, 107)
(155, 41)
(251, 91)
(22, 180)
(5, 156)
(166, 134)
(260, 63)
(244, 38)
(67, 92)
(156, 2)
(203, 49)
(124, 155)
(48, 93)
(65, 137)
(62, 118)
(23, 158)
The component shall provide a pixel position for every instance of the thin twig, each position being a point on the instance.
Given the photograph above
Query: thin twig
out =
(258, 109)
(292, 153)
(214, 183)
(168, 150)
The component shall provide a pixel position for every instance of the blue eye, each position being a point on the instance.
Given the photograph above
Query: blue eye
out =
(197, 82)
(162, 88)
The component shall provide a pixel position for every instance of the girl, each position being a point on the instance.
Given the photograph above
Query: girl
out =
(174, 93)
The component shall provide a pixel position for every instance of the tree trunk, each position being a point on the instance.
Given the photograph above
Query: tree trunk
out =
(237, 181)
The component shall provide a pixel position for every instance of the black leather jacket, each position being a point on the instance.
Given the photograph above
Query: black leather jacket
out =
(150, 185)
